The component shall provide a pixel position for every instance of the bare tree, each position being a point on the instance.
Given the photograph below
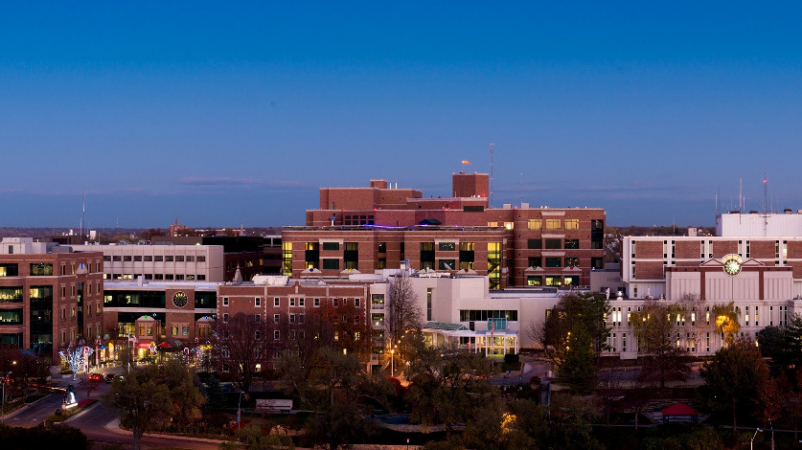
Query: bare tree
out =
(244, 345)
(404, 312)
(656, 326)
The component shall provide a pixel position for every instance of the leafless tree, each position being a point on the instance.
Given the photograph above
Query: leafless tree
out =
(242, 343)
(404, 312)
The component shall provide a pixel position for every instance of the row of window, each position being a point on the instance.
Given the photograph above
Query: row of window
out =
(40, 269)
(552, 280)
(156, 276)
(154, 258)
(299, 302)
(481, 315)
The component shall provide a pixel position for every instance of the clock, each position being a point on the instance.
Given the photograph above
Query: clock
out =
(732, 264)
(180, 299)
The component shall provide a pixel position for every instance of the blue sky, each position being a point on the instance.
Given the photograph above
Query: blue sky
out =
(237, 112)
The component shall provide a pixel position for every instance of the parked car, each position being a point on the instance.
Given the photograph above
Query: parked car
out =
(109, 377)
(95, 377)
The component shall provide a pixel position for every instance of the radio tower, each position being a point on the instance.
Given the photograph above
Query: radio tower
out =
(492, 145)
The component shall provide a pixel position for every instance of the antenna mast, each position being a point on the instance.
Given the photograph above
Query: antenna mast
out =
(765, 192)
(83, 216)
(492, 145)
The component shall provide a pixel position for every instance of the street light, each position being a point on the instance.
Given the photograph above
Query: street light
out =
(392, 371)
(753, 438)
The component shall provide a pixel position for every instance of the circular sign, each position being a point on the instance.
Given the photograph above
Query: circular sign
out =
(180, 299)
(732, 264)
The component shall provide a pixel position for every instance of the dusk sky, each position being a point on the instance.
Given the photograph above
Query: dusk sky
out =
(238, 112)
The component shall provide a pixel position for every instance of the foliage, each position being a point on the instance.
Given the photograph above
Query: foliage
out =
(215, 398)
(447, 387)
(737, 378)
(252, 438)
(574, 333)
(512, 358)
(684, 437)
(656, 332)
(62, 437)
(727, 320)
(149, 397)
(88, 385)
(784, 346)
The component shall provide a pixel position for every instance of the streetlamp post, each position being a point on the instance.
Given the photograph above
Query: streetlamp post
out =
(3, 411)
(751, 442)
(392, 361)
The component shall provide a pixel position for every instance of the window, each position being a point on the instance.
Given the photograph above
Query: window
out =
(258, 334)
(316, 303)
(276, 335)
(158, 258)
(331, 264)
(225, 317)
(572, 244)
(257, 302)
(534, 280)
(534, 224)
(190, 259)
(335, 302)
(117, 258)
(276, 302)
(597, 263)
(41, 269)
(331, 246)
(534, 244)
(356, 303)
(179, 258)
(571, 224)
(148, 258)
(276, 318)
(447, 246)
(447, 264)
(571, 261)
(107, 258)
(553, 224)
(553, 281)
(168, 258)
(257, 318)
(292, 318)
(382, 247)
(301, 302)
(201, 258)
(292, 302)
(553, 262)
(553, 244)
(127, 258)
(535, 262)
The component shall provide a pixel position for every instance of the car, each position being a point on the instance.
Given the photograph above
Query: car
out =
(109, 377)
(95, 377)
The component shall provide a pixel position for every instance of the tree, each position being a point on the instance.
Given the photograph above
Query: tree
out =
(656, 330)
(88, 385)
(143, 401)
(590, 310)
(182, 383)
(787, 350)
(573, 335)
(244, 341)
(737, 378)
(447, 387)
(727, 320)
(404, 312)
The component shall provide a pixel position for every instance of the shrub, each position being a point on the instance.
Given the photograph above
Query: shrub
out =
(511, 358)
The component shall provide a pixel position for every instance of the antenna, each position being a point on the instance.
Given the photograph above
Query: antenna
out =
(492, 145)
(765, 192)
(83, 216)
(741, 194)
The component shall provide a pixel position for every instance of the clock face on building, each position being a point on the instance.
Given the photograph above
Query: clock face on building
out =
(732, 264)
(180, 299)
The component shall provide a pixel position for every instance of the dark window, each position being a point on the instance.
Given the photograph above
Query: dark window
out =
(553, 244)
(382, 247)
(447, 264)
(596, 244)
(473, 208)
(148, 258)
(158, 258)
(190, 259)
(201, 258)
(179, 258)
(553, 262)
(331, 246)
(116, 258)
(138, 258)
(168, 258)
(535, 262)
(107, 258)
(534, 244)
(127, 258)
(331, 264)
(572, 244)
(597, 263)
(446, 246)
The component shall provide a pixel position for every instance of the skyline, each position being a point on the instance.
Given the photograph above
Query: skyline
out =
(225, 115)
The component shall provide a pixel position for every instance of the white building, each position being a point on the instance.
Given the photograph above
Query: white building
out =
(160, 262)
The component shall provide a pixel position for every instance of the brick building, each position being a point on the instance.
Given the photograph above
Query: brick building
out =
(49, 295)
(377, 227)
